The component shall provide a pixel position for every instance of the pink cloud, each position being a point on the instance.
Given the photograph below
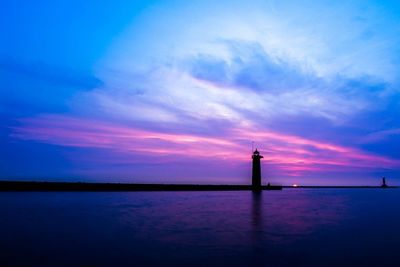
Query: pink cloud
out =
(292, 155)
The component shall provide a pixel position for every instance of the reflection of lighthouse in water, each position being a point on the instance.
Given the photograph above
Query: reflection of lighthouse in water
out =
(256, 174)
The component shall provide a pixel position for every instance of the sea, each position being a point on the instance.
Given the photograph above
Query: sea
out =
(292, 227)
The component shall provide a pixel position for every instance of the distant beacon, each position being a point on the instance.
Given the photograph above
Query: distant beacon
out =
(256, 174)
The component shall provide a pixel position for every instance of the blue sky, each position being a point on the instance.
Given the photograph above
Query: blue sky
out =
(176, 91)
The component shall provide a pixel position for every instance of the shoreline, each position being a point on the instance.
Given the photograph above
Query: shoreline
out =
(82, 186)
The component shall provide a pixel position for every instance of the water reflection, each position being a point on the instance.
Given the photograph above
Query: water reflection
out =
(257, 233)
(256, 210)
(287, 228)
(231, 217)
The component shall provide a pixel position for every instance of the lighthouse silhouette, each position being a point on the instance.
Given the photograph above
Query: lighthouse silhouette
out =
(256, 173)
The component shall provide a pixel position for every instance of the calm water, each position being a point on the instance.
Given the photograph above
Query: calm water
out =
(293, 227)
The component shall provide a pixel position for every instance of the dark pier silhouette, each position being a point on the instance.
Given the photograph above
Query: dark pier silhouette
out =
(64, 186)
(78, 186)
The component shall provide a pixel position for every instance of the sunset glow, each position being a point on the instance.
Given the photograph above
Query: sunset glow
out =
(165, 94)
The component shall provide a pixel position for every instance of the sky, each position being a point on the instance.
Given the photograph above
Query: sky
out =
(180, 91)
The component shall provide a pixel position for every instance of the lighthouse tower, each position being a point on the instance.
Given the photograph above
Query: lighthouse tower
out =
(256, 173)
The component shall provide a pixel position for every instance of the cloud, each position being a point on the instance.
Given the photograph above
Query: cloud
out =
(380, 136)
(205, 80)
(291, 154)
(49, 73)
(31, 87)
(251, 88)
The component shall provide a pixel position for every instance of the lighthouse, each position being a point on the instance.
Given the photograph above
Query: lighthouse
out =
(256, 173)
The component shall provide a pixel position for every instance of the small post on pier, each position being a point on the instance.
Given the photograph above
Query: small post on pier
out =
(256, 172)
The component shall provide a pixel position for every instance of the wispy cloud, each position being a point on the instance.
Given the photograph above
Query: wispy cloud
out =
(292, 154)
(380, 136)
(204, 80)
